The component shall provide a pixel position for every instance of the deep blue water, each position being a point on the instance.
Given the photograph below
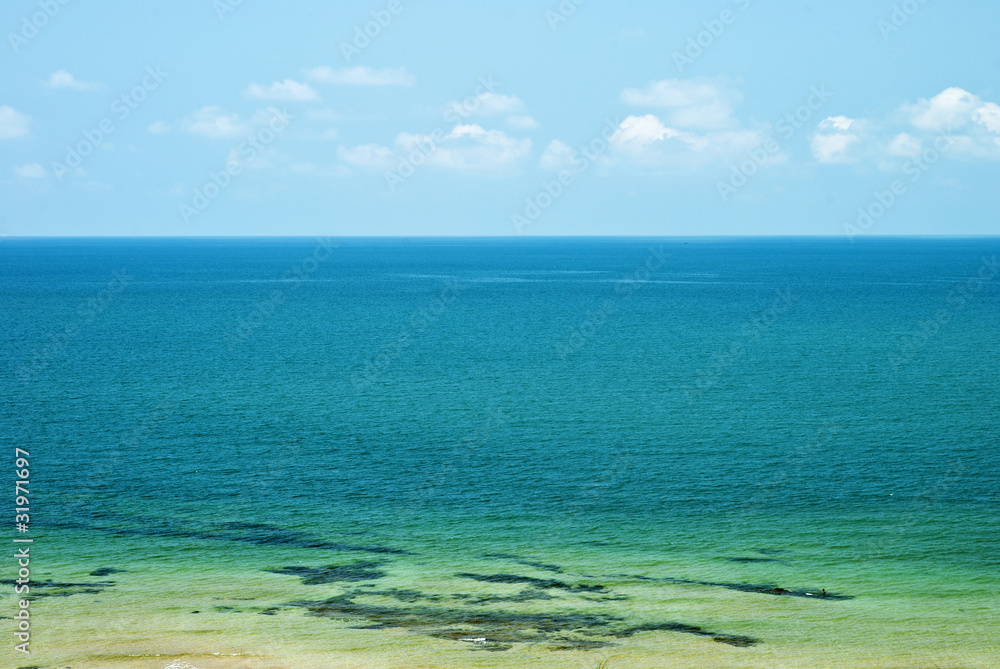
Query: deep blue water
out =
(668, 398)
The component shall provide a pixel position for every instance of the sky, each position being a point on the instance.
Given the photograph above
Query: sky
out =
(535, 118)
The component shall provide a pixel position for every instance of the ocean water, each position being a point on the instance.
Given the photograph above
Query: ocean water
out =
(298, 453)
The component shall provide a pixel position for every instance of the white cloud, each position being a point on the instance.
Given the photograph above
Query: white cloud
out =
(833, 139)
(523, 121)
(470, 147)
(361, 76)
(466, 147)
(836, 123)
(645, 141)
(557, 156)
(13, 123)
(30, 171)
(289, 89)
(691, 104)
(951, 109)
(159, 127)
(63, 79)
(638, 132)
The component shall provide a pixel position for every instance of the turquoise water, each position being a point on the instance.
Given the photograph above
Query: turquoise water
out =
(644, 452)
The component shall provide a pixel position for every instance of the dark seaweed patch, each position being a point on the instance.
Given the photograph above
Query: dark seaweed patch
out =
(752, 559)
(731, 639)
(529, 595)
(534, 582)
(56, 589)
(764, 589)
(554, 568)
(106, 571)
(359, 571)
(498, 630)
(408, 596)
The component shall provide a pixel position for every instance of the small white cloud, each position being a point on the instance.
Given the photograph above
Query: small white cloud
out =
(638, 132)
(904, 145)
(159, 127)
(289, 89)
(63, 79)
(691, 104)
(833, 139)
(361, 76)
(330, 133)
(523, 121)
(836, 123)
(466, 147)
(951, 109)
(13, 123)
(646, 142)
(30, 171)
(470, 147)
(557, 156)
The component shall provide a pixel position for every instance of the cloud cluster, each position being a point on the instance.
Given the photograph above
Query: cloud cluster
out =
(970, 124)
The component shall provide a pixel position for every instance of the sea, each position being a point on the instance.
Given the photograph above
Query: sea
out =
(304, 453)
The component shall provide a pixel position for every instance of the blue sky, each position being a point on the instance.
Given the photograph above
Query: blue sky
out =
(729, 117)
